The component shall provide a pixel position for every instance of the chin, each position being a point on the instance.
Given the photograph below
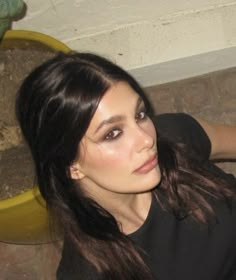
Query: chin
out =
(155, 174)
(152, 179)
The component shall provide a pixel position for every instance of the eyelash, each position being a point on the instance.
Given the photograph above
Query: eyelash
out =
(118, 131)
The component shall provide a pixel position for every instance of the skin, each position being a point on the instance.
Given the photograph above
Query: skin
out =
(120, 139)
(222, 137)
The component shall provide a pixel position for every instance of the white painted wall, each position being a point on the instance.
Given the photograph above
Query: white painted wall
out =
(157, 40)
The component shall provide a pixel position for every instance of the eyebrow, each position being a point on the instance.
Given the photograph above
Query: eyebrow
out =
(117, 118)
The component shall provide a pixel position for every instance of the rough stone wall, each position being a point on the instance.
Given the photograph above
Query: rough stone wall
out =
(211, 97)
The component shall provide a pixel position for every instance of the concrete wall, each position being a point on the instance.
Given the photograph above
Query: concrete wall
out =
(157, 40)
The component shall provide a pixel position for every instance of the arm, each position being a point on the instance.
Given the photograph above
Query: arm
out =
(222, 137)
(208, 140)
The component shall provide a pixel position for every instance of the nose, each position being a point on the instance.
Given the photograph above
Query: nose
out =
(145, 138)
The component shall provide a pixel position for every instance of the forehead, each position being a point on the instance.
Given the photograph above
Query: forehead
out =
(120, 99)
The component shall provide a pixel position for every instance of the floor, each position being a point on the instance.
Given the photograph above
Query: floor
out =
(28, 262)
(39, 262)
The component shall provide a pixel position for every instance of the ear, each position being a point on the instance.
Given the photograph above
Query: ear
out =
(75, 172)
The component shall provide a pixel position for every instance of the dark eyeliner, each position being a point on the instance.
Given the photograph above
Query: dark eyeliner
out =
(112, 138)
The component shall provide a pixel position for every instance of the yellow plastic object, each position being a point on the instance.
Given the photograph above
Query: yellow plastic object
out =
(24, 218)
(22, 38)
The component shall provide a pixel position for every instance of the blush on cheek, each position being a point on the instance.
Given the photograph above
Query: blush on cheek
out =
(115, 153)
(113, 160)
(110, 159)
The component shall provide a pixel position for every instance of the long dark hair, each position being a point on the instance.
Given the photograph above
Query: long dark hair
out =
(55, 105)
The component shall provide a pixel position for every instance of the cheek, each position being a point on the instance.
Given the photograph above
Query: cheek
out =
(101, 158)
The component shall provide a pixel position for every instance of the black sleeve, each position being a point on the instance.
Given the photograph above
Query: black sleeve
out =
(182, 128)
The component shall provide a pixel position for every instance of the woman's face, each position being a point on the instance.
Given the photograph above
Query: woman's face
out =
(118, 153)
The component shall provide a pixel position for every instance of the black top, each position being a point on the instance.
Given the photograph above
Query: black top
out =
(177, 249)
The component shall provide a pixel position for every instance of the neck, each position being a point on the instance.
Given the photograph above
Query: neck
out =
(132, 215)
(129, 210)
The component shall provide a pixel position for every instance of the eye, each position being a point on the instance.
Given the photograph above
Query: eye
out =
(113, 134)
(142, 115)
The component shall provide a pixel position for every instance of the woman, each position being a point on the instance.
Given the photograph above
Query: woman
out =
(133, 205)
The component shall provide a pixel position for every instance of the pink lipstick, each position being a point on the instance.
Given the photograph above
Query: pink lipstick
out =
(148, 165)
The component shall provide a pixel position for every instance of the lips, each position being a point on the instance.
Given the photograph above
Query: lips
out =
(148, 165)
